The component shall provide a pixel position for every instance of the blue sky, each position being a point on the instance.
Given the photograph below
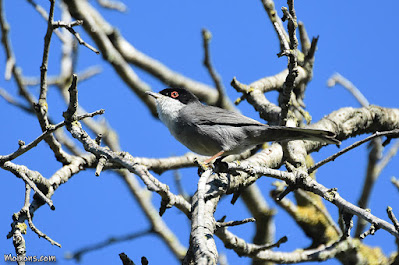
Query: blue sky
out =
(356, 39)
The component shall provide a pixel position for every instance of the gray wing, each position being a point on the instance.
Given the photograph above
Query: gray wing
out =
(217, 129)
(208, 115)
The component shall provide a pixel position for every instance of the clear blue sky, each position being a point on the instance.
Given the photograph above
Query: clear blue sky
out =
(357, 39)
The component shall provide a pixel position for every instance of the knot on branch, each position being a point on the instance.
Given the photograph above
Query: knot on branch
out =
(70, 114)
(166, 203)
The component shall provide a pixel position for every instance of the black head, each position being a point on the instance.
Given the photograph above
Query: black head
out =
(181, 94)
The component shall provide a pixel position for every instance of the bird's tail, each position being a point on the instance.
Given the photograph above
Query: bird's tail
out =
(281, 133)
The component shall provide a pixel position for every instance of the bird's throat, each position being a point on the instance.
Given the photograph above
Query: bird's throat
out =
(168, 111)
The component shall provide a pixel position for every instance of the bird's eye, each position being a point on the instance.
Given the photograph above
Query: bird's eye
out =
(174, 94)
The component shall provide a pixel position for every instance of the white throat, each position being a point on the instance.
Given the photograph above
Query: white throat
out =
(168, 111)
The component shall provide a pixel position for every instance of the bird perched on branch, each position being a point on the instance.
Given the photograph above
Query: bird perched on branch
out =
(215, 132)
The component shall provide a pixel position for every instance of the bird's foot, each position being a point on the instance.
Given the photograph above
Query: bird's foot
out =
(202, 166)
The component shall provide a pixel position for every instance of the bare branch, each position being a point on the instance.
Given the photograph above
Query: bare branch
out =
(37, 231)
(372, 175)
(309, 184)
(158, 224)
(69, 27)
(4, 94)
(373, 169)
(393, 133)
(395, 182)
(202, 245)
(24, 148)
(235, 223)
(100, 165)
(41, 108)
(393, 218)
(275, 20)
(31, 178)
(388, 156)
(283, 38)
(292, 60)
(339, 79)
(115, 5)
(371, 231)
(267, 110)
(98, 29)
(122, 159)
(321, 253)
(303, 35)
(62, 24)
(182, 192)
(322, 210)
(206, 37)
(43, 68)
(164, 74)
(77, 255)
(43, 13)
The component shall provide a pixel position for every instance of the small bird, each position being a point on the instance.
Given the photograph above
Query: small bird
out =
(212, 131)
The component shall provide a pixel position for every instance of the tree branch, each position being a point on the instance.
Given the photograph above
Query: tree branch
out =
(306, 183)
(206, 37)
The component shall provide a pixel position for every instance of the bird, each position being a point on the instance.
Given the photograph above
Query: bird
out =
(216, 132)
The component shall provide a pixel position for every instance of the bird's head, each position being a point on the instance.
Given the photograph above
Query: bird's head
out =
(170, 101)
(181, 95)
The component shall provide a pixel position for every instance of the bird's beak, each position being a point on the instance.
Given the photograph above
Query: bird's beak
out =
(153, 94)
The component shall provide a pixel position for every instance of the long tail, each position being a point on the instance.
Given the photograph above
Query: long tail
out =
(281, 133)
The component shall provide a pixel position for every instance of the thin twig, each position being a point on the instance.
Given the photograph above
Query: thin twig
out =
(41, 107)
(289, 83)
(275, 19)
(5, 28)
(303, 35)
(62, 24)
(70, 28)
(44, 66)
(22, 172)
(100, 165)
(372, 175)
(7, 97)
(304, 182)
(373, 169)
(24, 148)
(395, 182)
(393, 218)
(388, 156)
(235, 223)
(322, 210)
(206, 37)
(115, 5)
(339, 79)
(393, 133)
(124, 160)
(59, 81)
(280, 32)
(373, 228)
(180, 188)
(77, 255)
(269, 246)
(44, 15)
(38, 232)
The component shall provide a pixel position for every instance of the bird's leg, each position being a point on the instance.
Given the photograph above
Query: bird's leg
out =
(213, 157)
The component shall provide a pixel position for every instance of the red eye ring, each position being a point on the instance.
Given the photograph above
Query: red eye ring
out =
(174, 94)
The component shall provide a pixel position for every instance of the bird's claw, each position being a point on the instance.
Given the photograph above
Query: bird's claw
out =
(202, 166)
